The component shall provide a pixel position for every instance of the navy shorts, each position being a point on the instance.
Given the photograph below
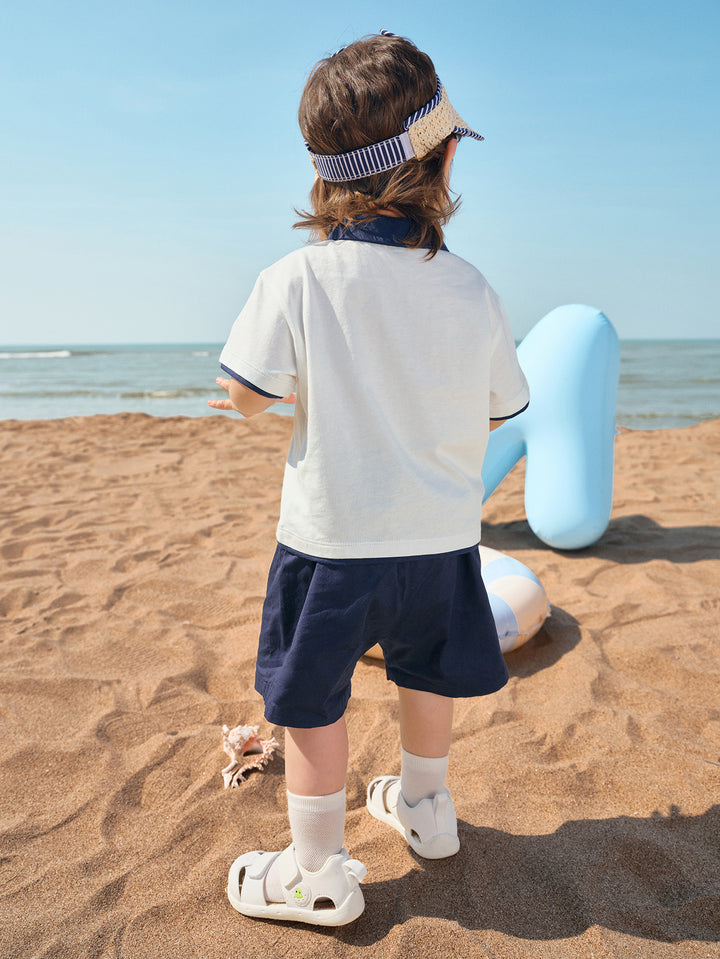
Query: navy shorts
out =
(430, 615)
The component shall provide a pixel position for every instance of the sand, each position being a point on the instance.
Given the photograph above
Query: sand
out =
(134, 553)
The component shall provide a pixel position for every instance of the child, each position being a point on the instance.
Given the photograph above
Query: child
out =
(401, 359)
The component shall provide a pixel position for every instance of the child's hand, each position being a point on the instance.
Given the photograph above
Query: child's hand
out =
(225, 404)
(251, 402)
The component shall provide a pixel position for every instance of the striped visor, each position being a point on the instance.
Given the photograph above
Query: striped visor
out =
(422, 131)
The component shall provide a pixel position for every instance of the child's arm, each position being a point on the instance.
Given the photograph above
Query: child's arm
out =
(495, 423)
(243, 400)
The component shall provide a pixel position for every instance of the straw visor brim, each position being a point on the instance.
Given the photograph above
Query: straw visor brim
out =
(440, 122)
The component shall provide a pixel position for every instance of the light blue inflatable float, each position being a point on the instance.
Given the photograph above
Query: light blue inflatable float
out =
(571, 360)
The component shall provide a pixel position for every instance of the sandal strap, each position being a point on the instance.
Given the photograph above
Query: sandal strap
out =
(380, 787)
(256, 865)
(429, 817)
(355, 868)
(290, 872)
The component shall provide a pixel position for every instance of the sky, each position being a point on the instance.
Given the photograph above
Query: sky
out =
(151, 159)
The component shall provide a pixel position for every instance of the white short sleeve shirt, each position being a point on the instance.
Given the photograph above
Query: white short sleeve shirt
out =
(398, 362)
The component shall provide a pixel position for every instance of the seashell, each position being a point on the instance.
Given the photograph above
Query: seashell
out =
(246, 751)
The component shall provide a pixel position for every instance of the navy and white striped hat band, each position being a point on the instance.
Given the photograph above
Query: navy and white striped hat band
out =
(422, 131)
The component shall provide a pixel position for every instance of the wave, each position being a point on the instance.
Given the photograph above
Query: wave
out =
(28, 395)
(166, 394)
(106, 394)
(37, 355)
(654, 421)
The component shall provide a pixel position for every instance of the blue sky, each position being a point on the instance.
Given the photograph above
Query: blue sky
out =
(151, 158)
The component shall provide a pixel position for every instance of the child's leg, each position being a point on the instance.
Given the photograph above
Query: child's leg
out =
(316, 759)
(417, 803)
(425, 722)
(313, 880)
(315, 770)
(425, 728)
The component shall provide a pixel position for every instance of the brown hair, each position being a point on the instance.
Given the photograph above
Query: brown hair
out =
(355, 98)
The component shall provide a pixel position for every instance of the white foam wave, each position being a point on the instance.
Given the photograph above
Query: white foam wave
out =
(37, 355)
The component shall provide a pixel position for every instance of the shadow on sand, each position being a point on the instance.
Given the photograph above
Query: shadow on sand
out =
(655, 878)
(628, 539)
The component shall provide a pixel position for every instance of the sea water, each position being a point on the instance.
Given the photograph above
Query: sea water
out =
(663, 383)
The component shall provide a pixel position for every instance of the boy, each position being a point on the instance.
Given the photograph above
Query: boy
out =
(401, 357)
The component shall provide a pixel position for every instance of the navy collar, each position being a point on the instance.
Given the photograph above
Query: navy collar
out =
(386, 230)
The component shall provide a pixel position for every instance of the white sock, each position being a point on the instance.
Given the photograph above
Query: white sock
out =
(420, 777)
(317, 824)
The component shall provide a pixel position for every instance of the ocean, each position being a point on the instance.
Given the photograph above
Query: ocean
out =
(663, 383)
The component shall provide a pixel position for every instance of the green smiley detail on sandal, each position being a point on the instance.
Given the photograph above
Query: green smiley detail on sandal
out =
(298, 894)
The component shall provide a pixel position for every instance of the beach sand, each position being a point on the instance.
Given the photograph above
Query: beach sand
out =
(133, 558)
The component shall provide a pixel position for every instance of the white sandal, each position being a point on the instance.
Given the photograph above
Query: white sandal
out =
(430, 827)
(329, 897)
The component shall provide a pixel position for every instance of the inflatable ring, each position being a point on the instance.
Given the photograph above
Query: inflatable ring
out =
(518, 601)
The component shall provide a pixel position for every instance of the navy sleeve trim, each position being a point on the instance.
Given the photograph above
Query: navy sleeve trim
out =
(511, 415)
(250, 386)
